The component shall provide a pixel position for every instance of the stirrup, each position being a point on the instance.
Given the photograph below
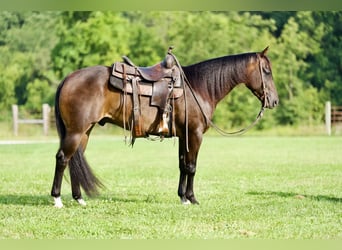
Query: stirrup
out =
(163, 126)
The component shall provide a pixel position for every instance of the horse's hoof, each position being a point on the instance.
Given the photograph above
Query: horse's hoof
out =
(185, 201)
(81, 202)
(58, 202)
(193, 200)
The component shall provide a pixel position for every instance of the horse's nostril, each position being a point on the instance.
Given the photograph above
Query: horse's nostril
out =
(275, 103)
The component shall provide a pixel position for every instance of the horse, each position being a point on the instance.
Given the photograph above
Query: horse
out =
(85, 98)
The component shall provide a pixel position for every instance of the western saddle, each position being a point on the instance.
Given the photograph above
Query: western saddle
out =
(161, 82)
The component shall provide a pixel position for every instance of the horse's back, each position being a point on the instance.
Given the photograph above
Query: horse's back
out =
(86, 78)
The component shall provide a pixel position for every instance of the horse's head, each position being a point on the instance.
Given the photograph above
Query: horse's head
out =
(260, 80)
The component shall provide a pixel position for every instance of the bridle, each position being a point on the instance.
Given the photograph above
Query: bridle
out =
(264, 96)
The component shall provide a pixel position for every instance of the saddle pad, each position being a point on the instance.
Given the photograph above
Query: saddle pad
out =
(145, 89)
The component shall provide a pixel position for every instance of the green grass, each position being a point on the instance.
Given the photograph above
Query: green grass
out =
(248, 187)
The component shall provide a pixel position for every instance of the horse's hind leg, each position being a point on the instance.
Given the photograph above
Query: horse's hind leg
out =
(75, 184)
(61, 164)
(68, 147)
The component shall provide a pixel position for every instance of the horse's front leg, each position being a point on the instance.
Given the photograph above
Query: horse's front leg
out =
(187, 167)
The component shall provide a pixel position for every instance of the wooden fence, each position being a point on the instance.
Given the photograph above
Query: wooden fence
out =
(336, 115)
(45, 121)
(333, 116)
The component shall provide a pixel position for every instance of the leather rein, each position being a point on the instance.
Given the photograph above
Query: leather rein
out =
(257, 119)
(209, 122)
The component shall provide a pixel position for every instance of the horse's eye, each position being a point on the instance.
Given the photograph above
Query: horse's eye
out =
(267, 70)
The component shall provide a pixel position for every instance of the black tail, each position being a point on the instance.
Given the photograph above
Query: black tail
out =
(79, 169)
(59, 122)
(81, 173)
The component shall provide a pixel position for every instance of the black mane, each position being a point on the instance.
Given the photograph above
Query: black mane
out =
(214, 78)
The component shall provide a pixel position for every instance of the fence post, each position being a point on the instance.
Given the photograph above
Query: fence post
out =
(328, 117)
(46, 111)
(15, 114)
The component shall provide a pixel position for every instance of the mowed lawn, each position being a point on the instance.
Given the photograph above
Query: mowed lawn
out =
(248, 187)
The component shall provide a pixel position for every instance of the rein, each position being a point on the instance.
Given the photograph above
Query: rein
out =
(208, 121)
(259, 116)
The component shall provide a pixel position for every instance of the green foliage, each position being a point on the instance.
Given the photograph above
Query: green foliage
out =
(325, 69)
(25, 46)
(7, 77)
(38, 92)
(38, 49)
(238, 109)
(299, 101)
(203, 35)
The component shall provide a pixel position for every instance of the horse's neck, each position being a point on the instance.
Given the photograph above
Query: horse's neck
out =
(226, 80)
(215, 81)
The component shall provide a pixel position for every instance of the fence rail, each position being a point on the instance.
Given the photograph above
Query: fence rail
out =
(45, 119)
(333, 116)
(336, 114)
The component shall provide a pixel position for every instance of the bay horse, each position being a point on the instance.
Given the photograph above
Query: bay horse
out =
(85, 98)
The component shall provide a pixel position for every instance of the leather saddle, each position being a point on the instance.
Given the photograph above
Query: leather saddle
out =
(161, 82)
(154, 81)
(165, 69)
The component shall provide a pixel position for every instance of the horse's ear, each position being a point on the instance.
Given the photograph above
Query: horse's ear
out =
(264, 52)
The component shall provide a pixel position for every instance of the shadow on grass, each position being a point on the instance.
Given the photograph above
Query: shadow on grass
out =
(36, 200)
(297, 196)
(129, 199)
(22, 199)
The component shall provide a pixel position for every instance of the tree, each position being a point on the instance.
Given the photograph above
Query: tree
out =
(294, 46)
(26, 41)
(101, 39)
(38, 49)
(325, 66)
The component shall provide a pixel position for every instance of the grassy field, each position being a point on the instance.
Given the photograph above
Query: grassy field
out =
(248, 187)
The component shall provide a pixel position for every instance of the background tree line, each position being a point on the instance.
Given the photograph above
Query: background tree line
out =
(38, 49)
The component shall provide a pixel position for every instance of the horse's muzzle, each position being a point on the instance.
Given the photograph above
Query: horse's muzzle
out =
(271, 101)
